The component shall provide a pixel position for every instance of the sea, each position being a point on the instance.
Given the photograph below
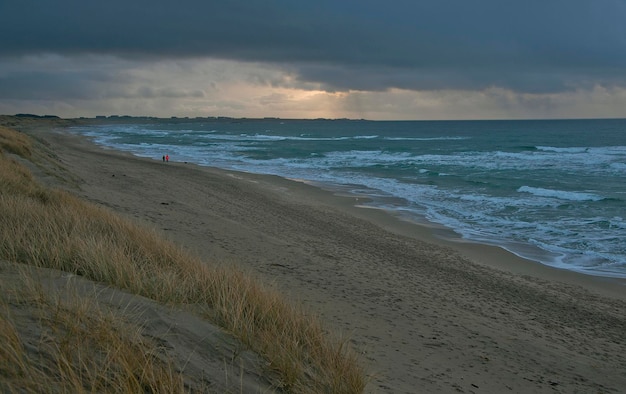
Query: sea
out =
(552, 191)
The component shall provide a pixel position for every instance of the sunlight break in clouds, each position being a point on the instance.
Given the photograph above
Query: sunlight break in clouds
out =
(90, 85)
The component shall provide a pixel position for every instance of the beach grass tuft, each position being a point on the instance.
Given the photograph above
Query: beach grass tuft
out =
(80, 347)
(54, 229)
(15, 142)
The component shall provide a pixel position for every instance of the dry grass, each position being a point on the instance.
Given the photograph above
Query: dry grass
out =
(50, 228)
(13, 142)
(78, 346)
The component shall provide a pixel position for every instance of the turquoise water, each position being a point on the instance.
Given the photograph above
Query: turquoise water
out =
(552, 191)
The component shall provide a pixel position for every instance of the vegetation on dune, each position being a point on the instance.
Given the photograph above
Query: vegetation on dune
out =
(81, 347)
(54, 229)
(13, 142)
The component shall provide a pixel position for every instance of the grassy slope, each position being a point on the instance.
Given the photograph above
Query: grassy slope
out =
(54, 229)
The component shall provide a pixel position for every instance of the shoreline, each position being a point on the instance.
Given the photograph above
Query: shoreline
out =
(426, 314)
(491, 255)
(452, 235)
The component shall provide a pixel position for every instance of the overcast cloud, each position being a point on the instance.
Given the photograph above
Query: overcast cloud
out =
(366, 58)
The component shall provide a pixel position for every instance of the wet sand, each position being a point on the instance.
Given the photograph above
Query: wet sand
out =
(427, 314)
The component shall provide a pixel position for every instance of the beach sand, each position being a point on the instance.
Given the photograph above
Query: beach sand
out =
(427, 315)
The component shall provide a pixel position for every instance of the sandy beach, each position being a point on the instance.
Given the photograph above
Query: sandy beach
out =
(428, 315)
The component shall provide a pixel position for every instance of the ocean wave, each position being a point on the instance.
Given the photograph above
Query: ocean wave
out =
(361, 158)
(574, 149)
(603, 150)
(618, 166)
(269, 137)
(425, 138)
(560, 194)
(365, 137)
(527, 148)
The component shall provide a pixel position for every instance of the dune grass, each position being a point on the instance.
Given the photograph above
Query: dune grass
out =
(13, 142)
(80, 347)
(53, 229)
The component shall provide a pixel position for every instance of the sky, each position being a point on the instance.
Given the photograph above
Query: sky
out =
(371, 59)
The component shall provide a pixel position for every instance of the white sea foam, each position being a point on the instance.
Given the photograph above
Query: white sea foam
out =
(563, 150)
(426, 138)
(560, 194)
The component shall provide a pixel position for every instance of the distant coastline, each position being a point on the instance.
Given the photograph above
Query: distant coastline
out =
(146, 118)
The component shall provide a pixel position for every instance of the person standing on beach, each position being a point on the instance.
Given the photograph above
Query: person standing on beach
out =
(163, 158)
(167, 157)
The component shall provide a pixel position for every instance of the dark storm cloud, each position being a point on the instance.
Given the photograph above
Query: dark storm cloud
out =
(535, 46)
(49, 85)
